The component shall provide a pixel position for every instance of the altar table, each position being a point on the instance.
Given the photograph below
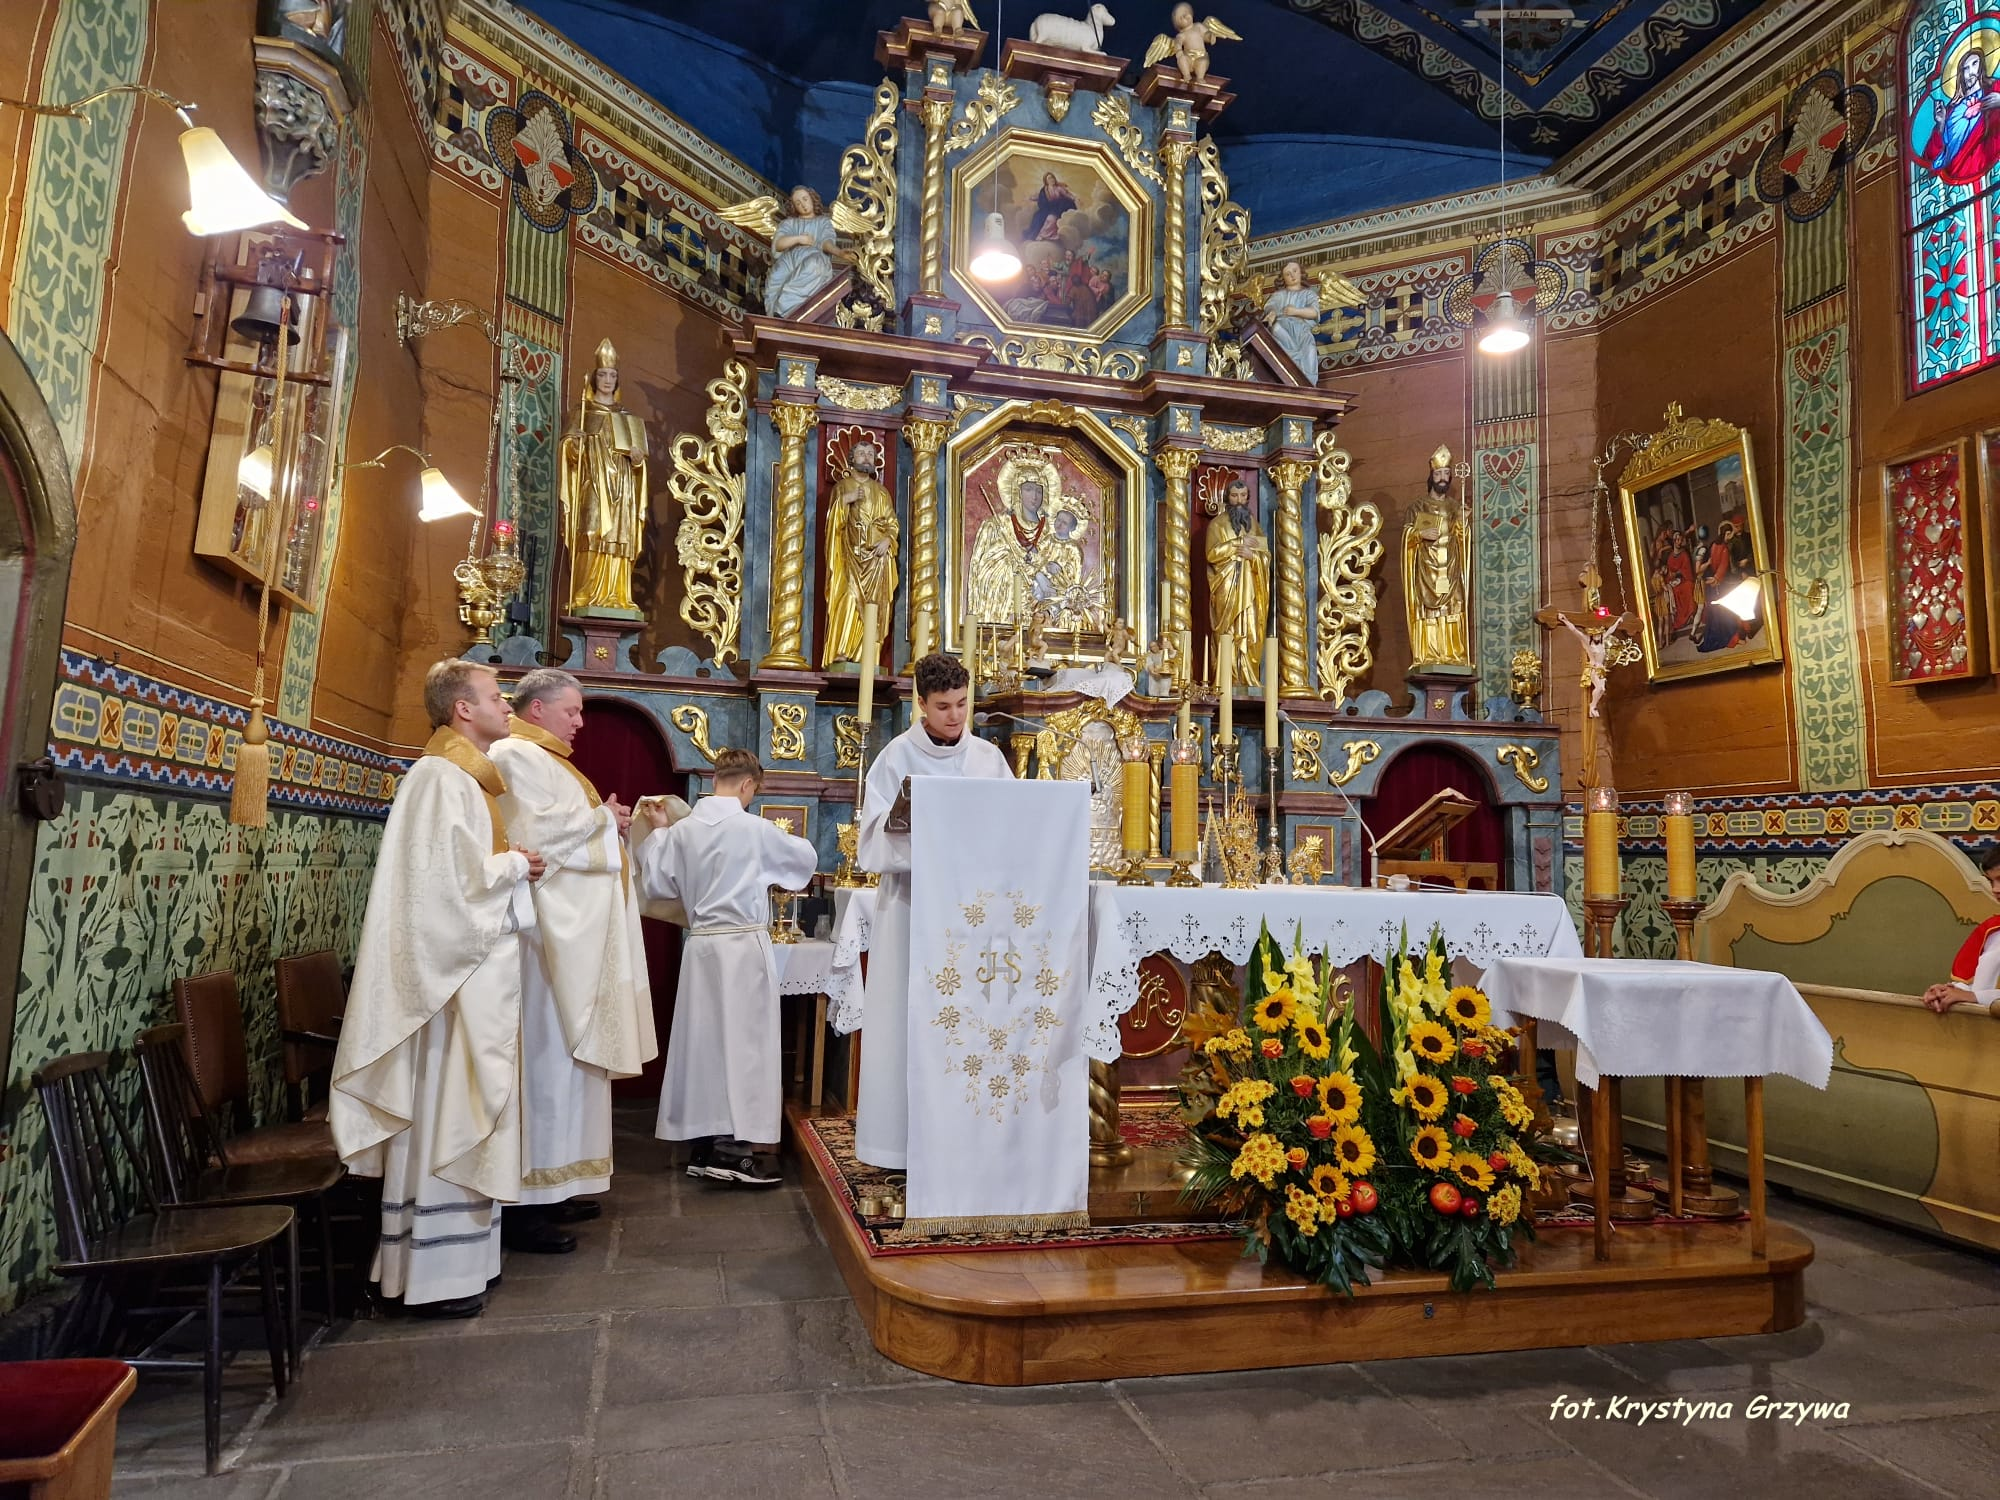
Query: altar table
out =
(1128, 923)
(1665, 1018)
(802, 971)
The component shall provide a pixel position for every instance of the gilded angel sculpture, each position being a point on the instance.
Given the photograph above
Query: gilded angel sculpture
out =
(1293, 308)
(805, 243)
(1188, 46)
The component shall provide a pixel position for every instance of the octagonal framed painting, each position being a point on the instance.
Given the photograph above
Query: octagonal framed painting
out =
(1083, 230)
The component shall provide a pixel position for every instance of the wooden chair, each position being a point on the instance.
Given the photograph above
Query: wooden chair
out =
(213, 1015)
(62, 1429)
(113, 1235)
(311, 1001)
(188, 1151)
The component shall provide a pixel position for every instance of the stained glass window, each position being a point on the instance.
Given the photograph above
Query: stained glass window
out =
(1951, 166)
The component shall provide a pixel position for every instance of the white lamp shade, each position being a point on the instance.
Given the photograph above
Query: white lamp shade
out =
(993, 259)
(222, 197)
(254, 470)
(1742, 600)
(440, 499)
(1504, 331)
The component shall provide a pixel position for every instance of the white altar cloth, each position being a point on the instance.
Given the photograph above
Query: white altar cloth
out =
(1129, 922)
(1664, 1018)
(803, 966)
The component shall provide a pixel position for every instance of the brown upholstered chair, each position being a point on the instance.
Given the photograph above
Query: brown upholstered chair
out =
(213, 1015)
(311, 1001)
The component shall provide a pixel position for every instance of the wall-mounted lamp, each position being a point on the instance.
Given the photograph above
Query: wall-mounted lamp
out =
(222, 196)
(440, 500)
(1812, 597)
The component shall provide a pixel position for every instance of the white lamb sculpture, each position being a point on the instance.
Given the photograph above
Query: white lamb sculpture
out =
(1086, 35)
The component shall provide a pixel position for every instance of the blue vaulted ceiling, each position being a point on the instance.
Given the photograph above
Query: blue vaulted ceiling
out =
(1342, 105)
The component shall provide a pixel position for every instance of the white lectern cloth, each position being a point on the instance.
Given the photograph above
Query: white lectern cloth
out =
(999, 981)
(1664, 1018)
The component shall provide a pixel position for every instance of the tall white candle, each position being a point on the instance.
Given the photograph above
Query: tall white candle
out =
(971, 657)
(1225, 688)
(1270, 695)
(871, 649)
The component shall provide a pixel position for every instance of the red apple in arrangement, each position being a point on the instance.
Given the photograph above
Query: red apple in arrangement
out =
(1469, 1206)
(1444, 1198)
(1364, 1197)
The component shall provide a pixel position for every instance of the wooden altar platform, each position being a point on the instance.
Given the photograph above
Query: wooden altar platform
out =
(1042, 1316)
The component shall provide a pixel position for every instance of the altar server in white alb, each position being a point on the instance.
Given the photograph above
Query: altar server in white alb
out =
(586, 1003)
(425, 1089)
(939, 743)
(724, 1081)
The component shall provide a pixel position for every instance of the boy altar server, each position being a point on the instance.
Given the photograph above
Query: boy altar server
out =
(937, 744)
(724, 1074)
(586, 1002)
(424, 1081)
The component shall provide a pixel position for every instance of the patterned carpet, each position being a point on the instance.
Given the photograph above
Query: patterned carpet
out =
(831, 1142)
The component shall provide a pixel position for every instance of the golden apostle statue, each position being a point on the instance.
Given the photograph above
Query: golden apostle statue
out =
(603, 480)
(861, 535)
(1239, 578)
(1437, 559)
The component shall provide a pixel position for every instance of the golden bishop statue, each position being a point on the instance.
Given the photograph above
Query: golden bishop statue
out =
(861, 535)
(1437, 560)
(604, 496)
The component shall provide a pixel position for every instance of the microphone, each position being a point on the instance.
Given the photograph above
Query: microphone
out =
(1341, 792)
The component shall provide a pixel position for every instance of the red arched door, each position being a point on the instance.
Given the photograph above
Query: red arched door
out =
(1421, 772)
(622, 750)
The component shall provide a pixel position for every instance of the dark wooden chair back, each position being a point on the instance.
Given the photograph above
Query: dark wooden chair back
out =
(102, 1179)
(212, 1012)
(184, 1137)
(311, 1002)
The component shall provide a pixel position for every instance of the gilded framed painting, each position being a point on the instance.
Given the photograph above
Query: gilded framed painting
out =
(1080, 227)
(1701, 564)
(1932, 565)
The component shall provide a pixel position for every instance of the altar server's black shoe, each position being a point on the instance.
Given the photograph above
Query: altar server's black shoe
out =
(537, 1236)
(575, 1211)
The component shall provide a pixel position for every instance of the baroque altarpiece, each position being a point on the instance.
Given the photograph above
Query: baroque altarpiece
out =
(1044, 459)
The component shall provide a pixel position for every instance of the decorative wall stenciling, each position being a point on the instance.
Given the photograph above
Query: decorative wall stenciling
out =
(1937, 628)
(533, 145)
(187, 893)
(1506, 551)
(1805, 167)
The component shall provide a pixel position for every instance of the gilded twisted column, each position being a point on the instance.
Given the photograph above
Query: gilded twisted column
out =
(1107, 1142)
(1177, 464)
(937, 119)
(788, 538)
(1173, 161)
(926, 436)
(1290, 477)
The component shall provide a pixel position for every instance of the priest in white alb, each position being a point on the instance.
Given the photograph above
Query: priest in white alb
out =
(724, 1084)
(586, 1003)
(425, 1082)
(939, 743)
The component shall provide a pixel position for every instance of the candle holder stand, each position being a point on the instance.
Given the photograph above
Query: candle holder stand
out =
(1274, 854)
(1691, 1184)
(1600, 1110)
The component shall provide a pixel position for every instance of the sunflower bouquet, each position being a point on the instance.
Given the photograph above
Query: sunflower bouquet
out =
(1281, 1146)
(1451, 1120)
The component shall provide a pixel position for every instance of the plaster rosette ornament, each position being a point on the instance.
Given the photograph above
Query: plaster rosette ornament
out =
(532, 143)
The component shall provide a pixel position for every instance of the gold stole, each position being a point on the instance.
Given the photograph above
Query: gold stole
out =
(448, 744)
(534, 734)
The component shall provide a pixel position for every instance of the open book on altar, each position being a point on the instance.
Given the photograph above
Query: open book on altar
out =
(1422, 834)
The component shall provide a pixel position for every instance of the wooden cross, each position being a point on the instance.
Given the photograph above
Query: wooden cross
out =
(1605, 645)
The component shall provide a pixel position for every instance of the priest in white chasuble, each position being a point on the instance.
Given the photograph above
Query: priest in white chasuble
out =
(939, 743)
(586, 1001)
(425, 1081)
(724, 1084)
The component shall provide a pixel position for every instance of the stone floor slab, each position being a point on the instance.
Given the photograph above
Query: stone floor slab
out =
(794, 1468)
(706, 1421)
(529, 1472)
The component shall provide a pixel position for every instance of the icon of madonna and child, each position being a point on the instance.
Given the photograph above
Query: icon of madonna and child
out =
(1074, 238)
(1035, 542)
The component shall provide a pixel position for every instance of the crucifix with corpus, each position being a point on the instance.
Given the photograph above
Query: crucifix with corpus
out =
(1605, 645)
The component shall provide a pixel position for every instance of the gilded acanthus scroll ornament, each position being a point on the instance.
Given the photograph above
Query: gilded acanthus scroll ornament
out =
(995, 99)
(1359, 754)
(788, 730)
(1113, 116)
(693, 722)
(1039, 353)
(709, 542)
(868, 186)
(859, 395)
(1675, 441)
(1524, 760)
(1350, 545)
(1231, 439)
(847, 742)
(1225, 241)
(1305, 755)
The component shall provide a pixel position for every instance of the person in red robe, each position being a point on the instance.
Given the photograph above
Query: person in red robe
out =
(1975, 972)
(1680, 584)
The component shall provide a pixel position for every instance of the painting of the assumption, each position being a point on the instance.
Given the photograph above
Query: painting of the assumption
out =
(1074, 235)
(1699, 544)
